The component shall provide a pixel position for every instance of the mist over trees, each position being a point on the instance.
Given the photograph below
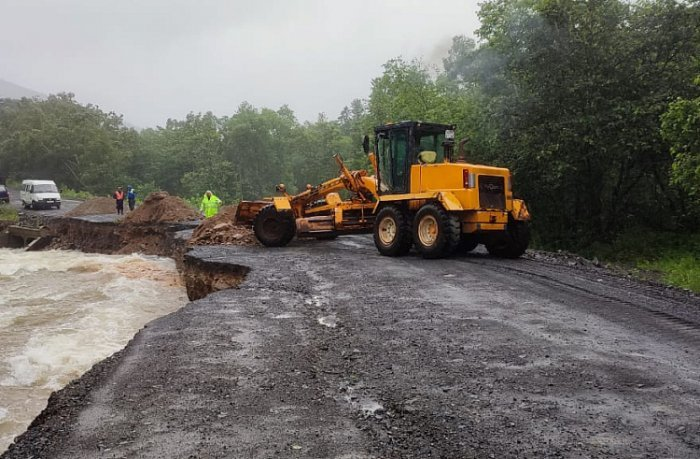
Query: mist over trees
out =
(594, 105)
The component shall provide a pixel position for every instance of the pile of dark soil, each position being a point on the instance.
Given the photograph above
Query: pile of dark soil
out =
(221, 229)
(96, 206)
(160, 207)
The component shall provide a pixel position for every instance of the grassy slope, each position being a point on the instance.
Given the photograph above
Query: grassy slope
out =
(8, 213)
(672, 258)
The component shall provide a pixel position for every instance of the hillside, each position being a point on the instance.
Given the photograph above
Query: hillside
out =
(10, 90)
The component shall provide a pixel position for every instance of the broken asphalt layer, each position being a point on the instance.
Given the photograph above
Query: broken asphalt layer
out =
(328, 350)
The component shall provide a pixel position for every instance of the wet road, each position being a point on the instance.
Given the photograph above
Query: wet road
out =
(329, 350)
(66, 205)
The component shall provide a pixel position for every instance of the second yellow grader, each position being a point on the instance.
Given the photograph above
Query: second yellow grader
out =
(423, 194)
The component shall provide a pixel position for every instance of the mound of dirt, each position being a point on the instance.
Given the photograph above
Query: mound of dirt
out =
(160, 207)
(96, 206)
(220, 229)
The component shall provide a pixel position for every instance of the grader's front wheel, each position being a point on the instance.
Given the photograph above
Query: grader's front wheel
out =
(392, 233)
(274, 228)
(436, 232)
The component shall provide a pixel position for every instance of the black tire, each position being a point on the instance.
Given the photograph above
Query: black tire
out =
(392, 232)
(58, 206)
(467, 243)
(273, 228)
(35, 206)
(436, 233)
(513, 242)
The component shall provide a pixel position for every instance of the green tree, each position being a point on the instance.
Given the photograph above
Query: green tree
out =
(78, 146)
(574, 90)
(681, 128)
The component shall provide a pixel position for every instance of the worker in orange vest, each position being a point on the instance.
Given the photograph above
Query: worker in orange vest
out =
(119, 197)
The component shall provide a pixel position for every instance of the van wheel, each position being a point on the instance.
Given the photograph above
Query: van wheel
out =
(436, 232)
(35, 206)
(58, 206)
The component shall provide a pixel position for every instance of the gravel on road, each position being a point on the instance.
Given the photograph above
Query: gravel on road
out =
(329, 350)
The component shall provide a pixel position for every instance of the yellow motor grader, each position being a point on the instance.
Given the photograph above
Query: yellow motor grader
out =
(423, 194)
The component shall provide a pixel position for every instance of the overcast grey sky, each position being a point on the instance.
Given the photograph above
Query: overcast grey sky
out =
(151, 60)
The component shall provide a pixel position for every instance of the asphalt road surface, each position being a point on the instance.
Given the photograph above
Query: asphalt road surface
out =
(329, 350)
(66, 205)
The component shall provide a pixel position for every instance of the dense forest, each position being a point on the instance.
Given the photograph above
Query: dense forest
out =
(594, 105)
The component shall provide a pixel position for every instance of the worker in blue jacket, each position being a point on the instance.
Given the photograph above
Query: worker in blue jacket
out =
(131, 197)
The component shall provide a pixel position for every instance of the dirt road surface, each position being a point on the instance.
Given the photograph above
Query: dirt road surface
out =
(328, 350)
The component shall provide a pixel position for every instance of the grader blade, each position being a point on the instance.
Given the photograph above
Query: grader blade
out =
(247, 210)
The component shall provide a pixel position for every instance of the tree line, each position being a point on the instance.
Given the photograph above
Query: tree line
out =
(593, 105)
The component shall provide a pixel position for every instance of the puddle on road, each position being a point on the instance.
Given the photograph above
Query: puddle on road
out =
(371, 408)
(286, 315)
(349, 243)
(366, 406)
(328, 321)
(316, 300)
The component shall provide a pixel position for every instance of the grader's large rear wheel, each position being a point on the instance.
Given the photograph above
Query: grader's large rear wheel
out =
(513, 242)
(436, 233)
(392, 233)
(274, 228)
(467, 243)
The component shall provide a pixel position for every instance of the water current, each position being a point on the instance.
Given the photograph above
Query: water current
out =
(63, 311)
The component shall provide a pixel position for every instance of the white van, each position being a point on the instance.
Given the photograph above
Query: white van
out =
(39, 193)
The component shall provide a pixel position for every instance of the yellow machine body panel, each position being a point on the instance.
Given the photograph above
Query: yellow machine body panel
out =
(481, 195)
(282, 203)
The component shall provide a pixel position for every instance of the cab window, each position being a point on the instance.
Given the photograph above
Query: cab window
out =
(432, 142)
(399, 145)
(393, 157)
(385, 163)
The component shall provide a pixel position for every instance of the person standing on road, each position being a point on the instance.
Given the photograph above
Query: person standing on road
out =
(131, 197)
(119, 197)
(210, 205)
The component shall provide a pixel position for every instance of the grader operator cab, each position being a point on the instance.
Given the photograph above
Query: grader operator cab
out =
(423, 194)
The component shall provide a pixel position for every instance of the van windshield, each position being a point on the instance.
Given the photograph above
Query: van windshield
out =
(45, 188)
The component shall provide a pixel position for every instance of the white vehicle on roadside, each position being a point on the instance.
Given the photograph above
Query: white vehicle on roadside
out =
(40, 194)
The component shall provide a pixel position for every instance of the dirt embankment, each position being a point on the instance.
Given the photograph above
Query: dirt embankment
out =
(221, 229)
(94, 206)
(163, 225)
(160, 207)
(202, 278)
(145, 229)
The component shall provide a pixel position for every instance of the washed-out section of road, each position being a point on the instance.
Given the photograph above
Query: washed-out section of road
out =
(329, 350)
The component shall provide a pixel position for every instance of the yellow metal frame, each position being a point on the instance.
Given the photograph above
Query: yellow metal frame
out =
(443, 183)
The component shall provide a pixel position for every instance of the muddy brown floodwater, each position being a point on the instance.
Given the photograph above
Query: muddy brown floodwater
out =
(63, 311)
